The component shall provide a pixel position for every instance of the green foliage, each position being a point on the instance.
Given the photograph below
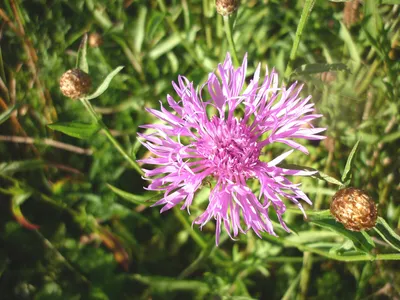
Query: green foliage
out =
(78, 130)
(76, 226)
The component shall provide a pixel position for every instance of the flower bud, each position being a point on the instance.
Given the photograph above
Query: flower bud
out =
(75, 83)
(351, 12)
(354, 208)
(95, 40)
(226, 7)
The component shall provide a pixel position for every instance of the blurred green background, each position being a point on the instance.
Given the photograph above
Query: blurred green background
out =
(95, 244)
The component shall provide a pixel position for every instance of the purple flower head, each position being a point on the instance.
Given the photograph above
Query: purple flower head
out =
(192, 146)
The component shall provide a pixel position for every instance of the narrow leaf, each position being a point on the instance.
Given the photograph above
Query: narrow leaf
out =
(352, 47)
(165, 46)
(320, 68)
(318, 174)
(327, 178)
(103, 87)
(387, 233)
(346, 173)
(6, 114)
(139, 30)
(9, 168)
(78, 130)
(132, 198)
(16, 202)
(81, 61)
(359, 240)
(393, 2)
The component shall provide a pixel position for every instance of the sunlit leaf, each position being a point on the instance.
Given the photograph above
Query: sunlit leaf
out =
(317, 174)
(347, 169)
(81, 60)
(105, 84)
(7, 114)
(359, 240)
(134, 199)
(387, 233)
(74, 129)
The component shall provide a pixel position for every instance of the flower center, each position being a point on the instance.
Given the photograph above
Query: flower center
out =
(230, 148)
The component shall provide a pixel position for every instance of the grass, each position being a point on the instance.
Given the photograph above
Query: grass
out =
(99, 239)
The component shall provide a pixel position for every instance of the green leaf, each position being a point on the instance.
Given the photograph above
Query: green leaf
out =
(132, 198)
(352, 47)
(388, 138)
(320, 68)
(9, 168)
(320, 175)
(360, 241)
(162, 285)
(104, 85)
(346, 173)
(19, 197)
(154, 23)
(6, 114)
(374, 23)
(304, 237)
(78, 130)
(387, 233)
(165, 46)
(327, 178)
(393, 2)
(81, 60)
(139, 30)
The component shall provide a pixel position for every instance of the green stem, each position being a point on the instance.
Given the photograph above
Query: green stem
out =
(108, 134)
(347, 258)
(308, 6)
(229, 36)
(195, 236)
(296, 211)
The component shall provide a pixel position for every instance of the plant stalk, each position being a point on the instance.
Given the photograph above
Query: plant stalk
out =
(108, 134)
(308, 6)
(228, 32)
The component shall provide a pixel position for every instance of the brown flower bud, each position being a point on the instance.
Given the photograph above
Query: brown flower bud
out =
(354, 208)
(226, 7)
(95, 40)
(351, 12)
(75, 83)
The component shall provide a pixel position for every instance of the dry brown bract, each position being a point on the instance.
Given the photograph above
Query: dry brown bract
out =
(226, 7)
(354, 208)
(75, 83)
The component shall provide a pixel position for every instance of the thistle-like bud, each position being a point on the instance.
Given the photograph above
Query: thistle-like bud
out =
(95, 40)
(354, 208)
(226, 7)
(351, 12)
(75, 83)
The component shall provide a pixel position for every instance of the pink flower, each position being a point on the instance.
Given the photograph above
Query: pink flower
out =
(192, 146)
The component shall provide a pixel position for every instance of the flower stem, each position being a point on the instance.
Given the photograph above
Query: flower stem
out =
(308, 6)
(229, 36)
(357, 257)
(108, 134)
(195, 236)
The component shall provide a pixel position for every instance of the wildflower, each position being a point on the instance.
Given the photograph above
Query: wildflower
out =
(355, 209)
(193, 147)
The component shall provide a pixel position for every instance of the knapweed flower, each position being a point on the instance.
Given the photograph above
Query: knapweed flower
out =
(194, 145)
